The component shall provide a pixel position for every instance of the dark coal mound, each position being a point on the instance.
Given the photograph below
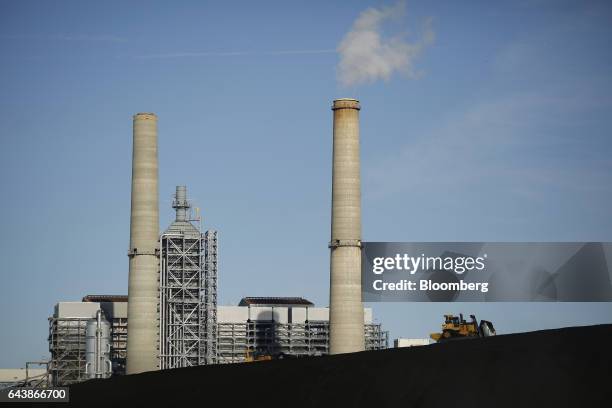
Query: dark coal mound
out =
(569, 367)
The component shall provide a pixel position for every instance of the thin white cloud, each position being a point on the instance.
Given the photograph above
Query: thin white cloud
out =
(366, 55)
(233, 54)
(64, 37)
(493, 144)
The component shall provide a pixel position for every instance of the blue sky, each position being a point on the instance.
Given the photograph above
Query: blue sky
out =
(498, 130)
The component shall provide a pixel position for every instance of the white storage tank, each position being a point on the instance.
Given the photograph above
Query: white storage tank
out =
(97, 347)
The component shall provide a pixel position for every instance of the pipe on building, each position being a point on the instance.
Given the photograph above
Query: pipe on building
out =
(346, 323)
(143, 289)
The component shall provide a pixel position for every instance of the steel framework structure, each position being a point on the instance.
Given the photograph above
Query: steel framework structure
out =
(188, 298)
(210, 297)
(67, 347)
(119, 328)
(298, 339)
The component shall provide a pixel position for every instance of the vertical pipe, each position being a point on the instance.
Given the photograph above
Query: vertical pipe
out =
(143, 252)
(345, 305)
(180, 204)
(162, 305)
(99, 355)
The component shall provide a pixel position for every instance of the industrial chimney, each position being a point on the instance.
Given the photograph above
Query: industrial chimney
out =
(143, 252)
(180, 203)
(345, 305)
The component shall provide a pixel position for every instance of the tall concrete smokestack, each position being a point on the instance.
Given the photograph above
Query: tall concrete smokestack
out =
(143, 252)
(345, 306)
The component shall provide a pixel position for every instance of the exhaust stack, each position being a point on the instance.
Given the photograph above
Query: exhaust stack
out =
(180, 203)
(144, 252)
(345, 305)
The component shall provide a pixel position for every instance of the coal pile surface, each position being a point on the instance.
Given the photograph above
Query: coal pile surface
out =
(570, 367)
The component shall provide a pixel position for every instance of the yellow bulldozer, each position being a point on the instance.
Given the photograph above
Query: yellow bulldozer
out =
(253, 355)
(457, 328)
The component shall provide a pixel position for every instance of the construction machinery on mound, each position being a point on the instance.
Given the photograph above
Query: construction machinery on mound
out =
(258, 355)
(457, 328)
(252, 356)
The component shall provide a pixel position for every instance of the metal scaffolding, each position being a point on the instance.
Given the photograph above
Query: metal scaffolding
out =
(118, 354)
(297, 339)
(187, 291)
(181, 314)
(210, 297)
(67, 347)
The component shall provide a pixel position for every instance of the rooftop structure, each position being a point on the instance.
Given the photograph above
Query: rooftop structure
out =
(105, 298)
(275, 301)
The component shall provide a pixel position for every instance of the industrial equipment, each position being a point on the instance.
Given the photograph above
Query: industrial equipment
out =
(187, 290)
(253, 355)
(256, 355)
(98, 347)
(289, 325)
(457, 328)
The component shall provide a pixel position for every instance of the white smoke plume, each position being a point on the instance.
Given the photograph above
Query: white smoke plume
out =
(366, 55)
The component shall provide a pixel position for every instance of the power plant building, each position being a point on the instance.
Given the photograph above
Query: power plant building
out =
(68, 337)
(282, 326)
(186, 300)
(271, 325)
(174, 319)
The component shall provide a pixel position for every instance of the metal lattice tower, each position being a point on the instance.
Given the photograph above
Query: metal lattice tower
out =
(185, 299)
(210, 297)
